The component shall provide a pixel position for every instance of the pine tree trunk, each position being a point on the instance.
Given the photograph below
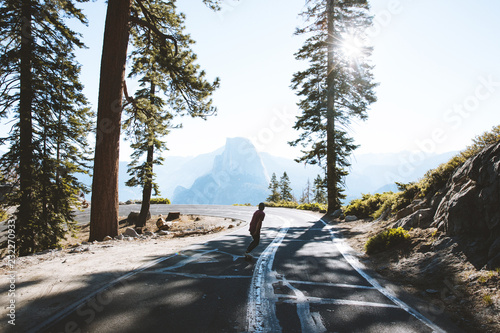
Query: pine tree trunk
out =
(331, 157)
(26, 242)
(148, 184)
(146, 191)
(104, 211)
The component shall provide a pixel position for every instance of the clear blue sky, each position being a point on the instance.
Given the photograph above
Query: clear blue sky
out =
(437, 63)
(431, 59)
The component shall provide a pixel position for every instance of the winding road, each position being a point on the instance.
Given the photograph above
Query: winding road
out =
(302, 279)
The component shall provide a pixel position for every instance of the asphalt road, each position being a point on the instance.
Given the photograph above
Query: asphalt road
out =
(302, 279)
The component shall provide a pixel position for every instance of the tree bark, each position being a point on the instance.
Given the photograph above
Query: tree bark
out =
(146, 192)
(104, 211)
(331, 155)
(148, 184)
(25, 211)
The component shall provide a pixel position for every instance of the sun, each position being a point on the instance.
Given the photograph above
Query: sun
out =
(352, 46)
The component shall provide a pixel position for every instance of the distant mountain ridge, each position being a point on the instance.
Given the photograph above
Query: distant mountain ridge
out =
(238, 163)
(237, 176)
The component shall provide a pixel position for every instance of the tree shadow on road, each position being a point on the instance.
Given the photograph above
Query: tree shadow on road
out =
(205, 292)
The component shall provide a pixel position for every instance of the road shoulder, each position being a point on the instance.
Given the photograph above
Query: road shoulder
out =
(436, 296)
(50, 281)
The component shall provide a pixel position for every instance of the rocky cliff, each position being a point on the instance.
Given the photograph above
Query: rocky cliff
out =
(471, 204)
(237, 176)
(468, 208)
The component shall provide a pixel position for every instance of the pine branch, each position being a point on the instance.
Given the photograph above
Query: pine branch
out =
(149, 25)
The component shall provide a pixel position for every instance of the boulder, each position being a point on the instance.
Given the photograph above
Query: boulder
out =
(420, 219)
(404, 212)
(336, 214)
(351, 218)
(163, 225)
(160, 223)
(173, 216)
(133, 217)
(107, 238)
(130, 233)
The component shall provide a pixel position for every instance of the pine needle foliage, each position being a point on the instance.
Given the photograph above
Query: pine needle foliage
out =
(274, 185)
(171, 84)
(335, 89)
(41, 91)
(319, 190)
(285, 189)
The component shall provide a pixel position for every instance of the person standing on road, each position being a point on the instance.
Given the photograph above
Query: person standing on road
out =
(254, 229)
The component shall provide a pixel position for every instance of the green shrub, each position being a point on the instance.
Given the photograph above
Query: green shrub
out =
(386, 240)
(437, 178)
(488, 300)
(3, 215)
(314, 206)
(160, 201)
(281, 203)
(389, 200)
(245, 204)
(432, 182)
(368, 206)
(482, 141)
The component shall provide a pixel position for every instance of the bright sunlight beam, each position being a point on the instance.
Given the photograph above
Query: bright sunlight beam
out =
(352, 46)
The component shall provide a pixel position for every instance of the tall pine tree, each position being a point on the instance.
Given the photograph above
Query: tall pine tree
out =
(319, 193)
(306, 193)
(171, 84)
(39, 86)
(274, 185)
(336, 87)
(104, 212)
(285, 189)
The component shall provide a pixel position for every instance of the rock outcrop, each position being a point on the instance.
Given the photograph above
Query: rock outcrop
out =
(471, 204)
(467, 208)
(238, 176)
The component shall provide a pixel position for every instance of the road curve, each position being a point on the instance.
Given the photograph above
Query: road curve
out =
(303, 279)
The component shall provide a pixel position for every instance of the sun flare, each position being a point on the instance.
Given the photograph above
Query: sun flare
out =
(352, 45)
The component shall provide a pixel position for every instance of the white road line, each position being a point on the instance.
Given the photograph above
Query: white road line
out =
(261, 309)
(334, 301)
(200, 276)
(327, 284)
(353, 261)
(308, 324)
(235, 256)
(186, 261)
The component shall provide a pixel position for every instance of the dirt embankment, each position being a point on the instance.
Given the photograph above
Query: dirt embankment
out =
(437, 269)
